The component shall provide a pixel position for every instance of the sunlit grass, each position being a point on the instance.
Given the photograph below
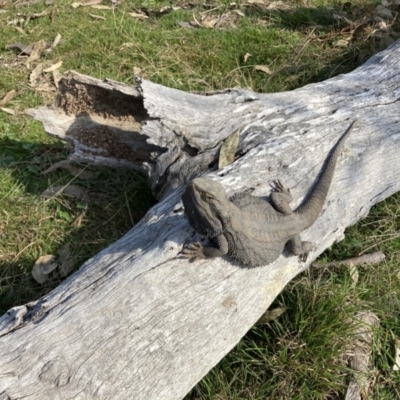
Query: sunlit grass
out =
(297, 356)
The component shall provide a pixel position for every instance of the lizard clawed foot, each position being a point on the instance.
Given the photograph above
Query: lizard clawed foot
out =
(278, 187)
(193, 251)
(303, 257)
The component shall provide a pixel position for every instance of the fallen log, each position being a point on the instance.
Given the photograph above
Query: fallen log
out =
(138, 322)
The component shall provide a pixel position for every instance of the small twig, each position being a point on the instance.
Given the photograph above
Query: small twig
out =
(304, 46)
(296, 57)
(26, 247)
(212, 9)
(56, 165)
(367, 259)
(359, 356)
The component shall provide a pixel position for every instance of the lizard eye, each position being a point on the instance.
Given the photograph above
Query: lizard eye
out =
(208, 197)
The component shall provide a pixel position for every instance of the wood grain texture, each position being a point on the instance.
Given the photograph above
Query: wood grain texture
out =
(136, 321)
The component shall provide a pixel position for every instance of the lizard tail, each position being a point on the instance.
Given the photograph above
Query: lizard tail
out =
(312, 207)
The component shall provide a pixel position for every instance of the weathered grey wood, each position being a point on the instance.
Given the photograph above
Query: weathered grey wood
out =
(137, 322)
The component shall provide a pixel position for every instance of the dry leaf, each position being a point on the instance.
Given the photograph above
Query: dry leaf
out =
(101, 7)
(53, 67)
(66, 262)
(165, 10)
(246, 57)
(38, 15)
(238, 12)
(43, 266)
(47, 263)
(255, 2)
(57, 76)
(91, 3)
(56, 41)
(168, 9)
(210, 21)
(263, 68)
(35, 74)
(28, 3)
(137, 70)
(271, 315)
(21, 47)
(8, 97)
(382, 25)
(140, 15)
(86, 3)
(20, 30)
(228, 149)
(353, 274)
(37, 51)
(278, 5)
(68, 190)
(190, 24)
(224, 20)
(8, 110)
(14, 21)
(341, 43)
(38, 276)
(97, 16)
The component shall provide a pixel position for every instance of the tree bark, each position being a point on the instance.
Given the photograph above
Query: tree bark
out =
(138, 322)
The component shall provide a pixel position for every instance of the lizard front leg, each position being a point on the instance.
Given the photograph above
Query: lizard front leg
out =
(196, 251)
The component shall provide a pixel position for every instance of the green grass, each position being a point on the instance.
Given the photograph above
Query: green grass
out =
(300, 354)
(32, 226)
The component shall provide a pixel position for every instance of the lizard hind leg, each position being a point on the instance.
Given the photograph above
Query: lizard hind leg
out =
(299, 248)
(281, 197)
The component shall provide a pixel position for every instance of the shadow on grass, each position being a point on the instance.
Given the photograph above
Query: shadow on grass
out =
(317, 55)
(116, 199)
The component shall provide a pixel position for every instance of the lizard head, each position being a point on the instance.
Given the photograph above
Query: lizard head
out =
(205, 202)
